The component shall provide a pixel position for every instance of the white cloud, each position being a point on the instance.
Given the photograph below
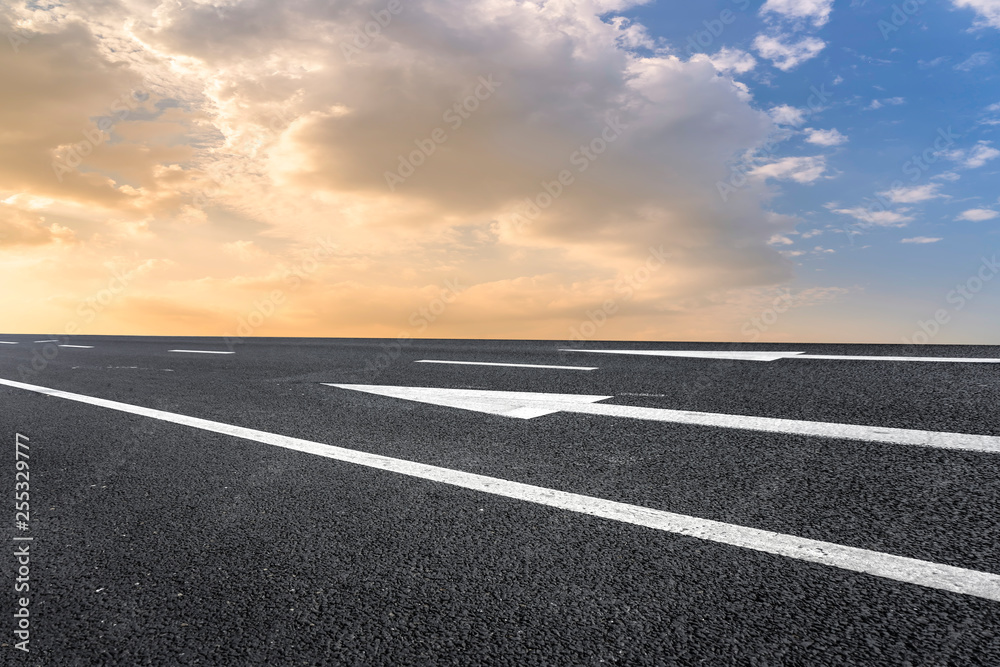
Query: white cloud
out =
(975, 60)
(875, 218)
(787, 115)
(878, 104)
(733, 60)
(987, 10)
(830, 137)
(974, 157)
(947, 176)
(817, 11)
(978, 215)
(913, 195)
(798, 169)
(921, 239)
(785, 54)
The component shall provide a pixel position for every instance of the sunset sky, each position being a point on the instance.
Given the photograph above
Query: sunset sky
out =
(730, 170)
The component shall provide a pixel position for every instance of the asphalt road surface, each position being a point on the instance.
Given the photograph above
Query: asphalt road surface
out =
(198, 508)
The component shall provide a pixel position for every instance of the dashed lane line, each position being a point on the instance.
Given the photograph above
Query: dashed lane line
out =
(493, 363)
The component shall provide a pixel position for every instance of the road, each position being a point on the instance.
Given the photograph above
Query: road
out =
(242, 508)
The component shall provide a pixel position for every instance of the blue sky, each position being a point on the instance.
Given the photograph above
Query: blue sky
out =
(895, 81)
(807, 171)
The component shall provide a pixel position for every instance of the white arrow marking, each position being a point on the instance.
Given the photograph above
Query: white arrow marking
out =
(775, 356)
(493, 363)
(519, 404)
(527, 405)
(889, 566)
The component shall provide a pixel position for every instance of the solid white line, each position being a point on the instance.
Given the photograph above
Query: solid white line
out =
(202, 351)
(528, 405)
(776, 356)
(54, 340)
(762, 355)
(898, 568)
(838, 357)
(897, 436)
(490, 363)
(7, 342)
(89, 347)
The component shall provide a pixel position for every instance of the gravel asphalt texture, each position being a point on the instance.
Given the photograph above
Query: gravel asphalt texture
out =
(160, 544)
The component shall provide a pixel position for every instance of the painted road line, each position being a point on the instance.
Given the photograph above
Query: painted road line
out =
(776, 356)
(490, 363)
(8, 342)
(889, 566)
(700, 354)
(88, 347)
(953, 360)
(202, 351)
(47, 341)
(527, 405)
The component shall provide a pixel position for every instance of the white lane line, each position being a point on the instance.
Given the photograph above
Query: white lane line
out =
(202, 351)
(954, 360)
(88, 347)
(54, 340)
(699, 354)
(889, 566)
(8, 342)
(776, 356)
(528, 405)
(490, 363)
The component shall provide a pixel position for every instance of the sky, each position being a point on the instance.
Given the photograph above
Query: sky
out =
(727, 170)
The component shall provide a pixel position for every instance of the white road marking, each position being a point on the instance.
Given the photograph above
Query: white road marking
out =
(775, 356)
(889, 566)
(202, 351)
(8, 342)
(700, 354)
(953, 360)
(527, 405)
(47, 341)
(490, 363)
(88, 347)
